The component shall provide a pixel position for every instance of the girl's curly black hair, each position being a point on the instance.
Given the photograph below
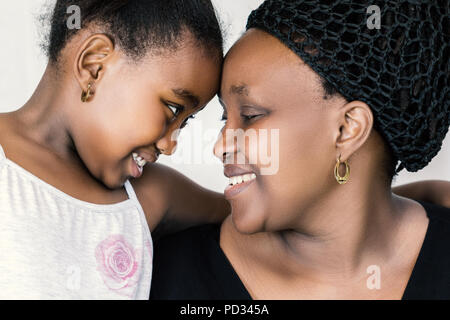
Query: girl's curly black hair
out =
(139, 25)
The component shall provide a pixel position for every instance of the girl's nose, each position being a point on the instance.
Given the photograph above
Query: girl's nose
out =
(168, 143)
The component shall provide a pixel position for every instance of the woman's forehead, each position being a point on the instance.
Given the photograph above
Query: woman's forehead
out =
(260, 60)
(258, 46)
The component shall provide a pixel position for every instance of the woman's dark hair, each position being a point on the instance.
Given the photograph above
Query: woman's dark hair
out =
(139, 25)
(391, 54)
(389, 162)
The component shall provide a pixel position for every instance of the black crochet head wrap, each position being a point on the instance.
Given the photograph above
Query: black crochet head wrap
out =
(400, 70)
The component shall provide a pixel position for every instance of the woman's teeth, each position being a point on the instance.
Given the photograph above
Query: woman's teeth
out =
(240, 179)
(139, 161)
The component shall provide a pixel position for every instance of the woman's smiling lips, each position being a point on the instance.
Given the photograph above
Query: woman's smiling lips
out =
(240, 179)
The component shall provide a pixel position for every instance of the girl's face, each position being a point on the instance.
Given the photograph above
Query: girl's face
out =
(265, 86)
(136, 110)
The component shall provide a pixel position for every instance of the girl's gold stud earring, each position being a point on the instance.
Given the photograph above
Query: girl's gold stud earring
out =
(85, 95)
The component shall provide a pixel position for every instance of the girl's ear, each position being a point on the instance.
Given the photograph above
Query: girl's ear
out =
(92, 59)
(355, 127)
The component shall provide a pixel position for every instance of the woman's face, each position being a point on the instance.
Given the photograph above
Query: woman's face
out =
(265, 86)
(136, 110)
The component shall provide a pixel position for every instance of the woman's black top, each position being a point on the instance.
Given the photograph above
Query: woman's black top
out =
(191, 264)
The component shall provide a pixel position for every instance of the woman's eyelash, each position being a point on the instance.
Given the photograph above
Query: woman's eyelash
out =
(248, 118)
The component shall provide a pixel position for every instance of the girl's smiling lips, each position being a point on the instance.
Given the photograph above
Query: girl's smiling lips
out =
(139, 160)
(148, 156)
(136, 171)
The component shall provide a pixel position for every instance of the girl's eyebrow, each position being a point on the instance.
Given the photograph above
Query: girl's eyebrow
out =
(187, 96)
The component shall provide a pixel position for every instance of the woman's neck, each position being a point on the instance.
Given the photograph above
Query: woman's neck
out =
(347, 232)
(344, 235)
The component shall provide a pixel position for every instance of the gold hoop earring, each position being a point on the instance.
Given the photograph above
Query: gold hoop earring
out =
(339, 179)
(86, 95)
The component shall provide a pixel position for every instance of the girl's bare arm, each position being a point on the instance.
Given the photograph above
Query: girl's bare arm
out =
(433, 191)
(173, 202)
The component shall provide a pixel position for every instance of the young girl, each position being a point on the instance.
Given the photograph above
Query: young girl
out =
(113, 94)
(111, 97)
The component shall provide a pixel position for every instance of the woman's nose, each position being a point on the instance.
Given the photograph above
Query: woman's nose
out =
(225, 145)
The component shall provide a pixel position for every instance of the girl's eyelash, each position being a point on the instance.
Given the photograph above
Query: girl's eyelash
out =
(224, 117)
(184, 124)
(177, 111)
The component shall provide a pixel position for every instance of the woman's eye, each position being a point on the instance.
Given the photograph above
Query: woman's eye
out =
(248, 118)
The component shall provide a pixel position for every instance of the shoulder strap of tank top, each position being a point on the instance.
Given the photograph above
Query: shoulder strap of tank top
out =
(130, 191)
(132, 195)
(2, 153)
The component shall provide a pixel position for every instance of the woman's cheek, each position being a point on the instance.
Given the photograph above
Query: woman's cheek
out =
(262, 149)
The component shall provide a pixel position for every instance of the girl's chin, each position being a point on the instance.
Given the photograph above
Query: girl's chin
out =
(114, 183)
(114, 186)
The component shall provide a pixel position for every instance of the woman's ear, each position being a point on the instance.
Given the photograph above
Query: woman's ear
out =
(355, 127)
(91, 60)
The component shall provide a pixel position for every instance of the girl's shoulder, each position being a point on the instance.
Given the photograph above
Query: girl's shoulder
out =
(6, 125)
(10, 141)
(22, 154)
(152, 189)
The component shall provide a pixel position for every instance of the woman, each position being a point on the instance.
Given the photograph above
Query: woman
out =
(343, 96)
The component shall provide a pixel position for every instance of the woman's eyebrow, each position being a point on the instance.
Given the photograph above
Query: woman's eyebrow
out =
(187, 96)
(239, 90)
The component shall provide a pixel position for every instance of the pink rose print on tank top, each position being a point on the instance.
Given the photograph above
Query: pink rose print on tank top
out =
(118, 264)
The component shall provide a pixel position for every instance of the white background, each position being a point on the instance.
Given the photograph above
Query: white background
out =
(22, 63)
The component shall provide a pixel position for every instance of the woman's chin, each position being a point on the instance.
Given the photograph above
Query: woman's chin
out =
(247, 224)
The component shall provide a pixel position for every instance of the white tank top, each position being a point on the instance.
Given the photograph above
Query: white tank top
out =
(53, 246)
